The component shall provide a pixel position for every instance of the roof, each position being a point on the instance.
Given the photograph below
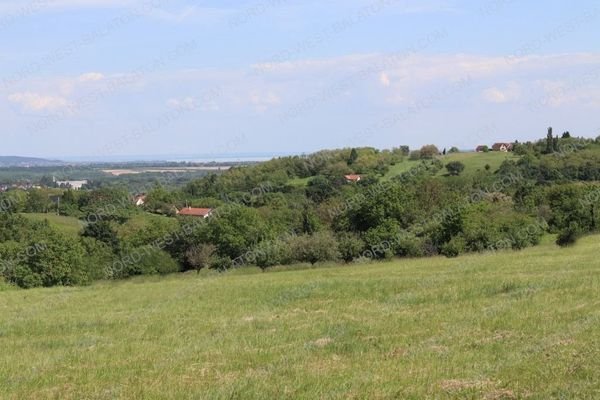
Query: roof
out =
(195, 212)
(355, 178)
(481, 147)
(496, 146)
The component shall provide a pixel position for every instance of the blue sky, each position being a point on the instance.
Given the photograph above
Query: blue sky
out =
(107, 78)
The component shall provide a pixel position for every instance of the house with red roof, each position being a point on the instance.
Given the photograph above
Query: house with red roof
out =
(504, 147)
(353, 178)
(195, 212)
(140, 199)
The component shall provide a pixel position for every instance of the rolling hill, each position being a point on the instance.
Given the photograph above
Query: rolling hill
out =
(488, 326)
(14, 161)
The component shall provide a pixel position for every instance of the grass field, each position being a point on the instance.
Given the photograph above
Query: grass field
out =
(477, 161)
(68, 225)
(473, 162)
(493, 326)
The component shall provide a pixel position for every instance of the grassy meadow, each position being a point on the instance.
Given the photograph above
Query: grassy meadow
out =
(491, 326)
(473, 162)
(70, 226)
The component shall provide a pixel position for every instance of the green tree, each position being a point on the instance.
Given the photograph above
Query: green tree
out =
(235, 230)
(429, 151)
(382, 239)
(353, 157)
(270, 253)
(350, 246)
(455, 168)
(37, 201)
(320, 247)
(98, 258)
(200, 256)
(569, 235)
(549, 141)
(415, 155)
(320, 189)
(57, 260)
(103, 232)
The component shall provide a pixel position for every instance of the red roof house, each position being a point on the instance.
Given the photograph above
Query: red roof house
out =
(502, 147)
(139, 200)
(195, 212)
(353, 178)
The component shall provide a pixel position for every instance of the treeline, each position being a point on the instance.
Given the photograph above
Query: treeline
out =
(303, 209)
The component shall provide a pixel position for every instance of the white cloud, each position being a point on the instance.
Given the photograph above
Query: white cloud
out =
(191, 103)
(90, 77)
(38, 102)
(263, 101)
(186, 103)
(510, 93)
(384, 79)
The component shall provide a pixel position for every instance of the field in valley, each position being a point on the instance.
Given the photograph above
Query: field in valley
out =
(492, 326)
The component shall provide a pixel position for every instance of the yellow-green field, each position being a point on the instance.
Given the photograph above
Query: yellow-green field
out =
(493, 326)
(67, 225)
(473, 162)
(477, 161)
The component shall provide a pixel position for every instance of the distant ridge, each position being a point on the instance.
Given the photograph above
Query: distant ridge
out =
(14, 161)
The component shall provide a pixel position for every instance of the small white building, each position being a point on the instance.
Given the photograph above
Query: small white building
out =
(75, 185)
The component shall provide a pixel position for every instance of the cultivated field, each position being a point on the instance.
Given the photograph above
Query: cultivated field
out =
(161, 170)
(495, 326)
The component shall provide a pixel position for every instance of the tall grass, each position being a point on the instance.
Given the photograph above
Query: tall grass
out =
(495, 326)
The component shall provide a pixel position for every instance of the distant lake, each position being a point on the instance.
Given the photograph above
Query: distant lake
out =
(195, 158)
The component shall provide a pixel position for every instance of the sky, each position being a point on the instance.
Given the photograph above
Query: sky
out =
(100, 79)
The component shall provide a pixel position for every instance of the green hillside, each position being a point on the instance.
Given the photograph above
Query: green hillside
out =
(68, 225)
(473, 162)
(477, 161)
(489, 326)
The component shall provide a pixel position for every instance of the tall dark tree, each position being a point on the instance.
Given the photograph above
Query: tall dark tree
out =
(353, 157)
(549, 141)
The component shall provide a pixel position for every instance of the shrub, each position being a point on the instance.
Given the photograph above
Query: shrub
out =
(320, 247)
(410, 246)
(381, 240)
(222, 263)
(102, 231)
(48, 259)
(415, 155)
(429, 151)
(148, 260)
(350, 246)
(569, 235)
(455, 168)
(98, 257)
(456, 246)
(271, 253)
(200, 256)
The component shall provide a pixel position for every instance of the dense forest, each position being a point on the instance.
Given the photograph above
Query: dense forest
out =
(305, 209)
